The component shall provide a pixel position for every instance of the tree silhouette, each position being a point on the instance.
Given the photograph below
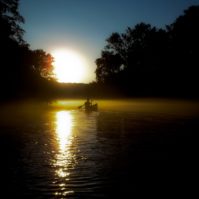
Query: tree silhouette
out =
(10, 20)
(185, 49)
(22, 69)
(10, 38)
(41, 63)
(132, 57)
(108, 66)
(151, 61)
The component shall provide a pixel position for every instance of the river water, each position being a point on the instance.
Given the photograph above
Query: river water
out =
(126, 149)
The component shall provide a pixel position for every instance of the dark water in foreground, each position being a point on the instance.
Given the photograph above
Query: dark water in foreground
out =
(116, 153)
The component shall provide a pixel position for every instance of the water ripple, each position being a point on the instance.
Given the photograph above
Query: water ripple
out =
(71, 154)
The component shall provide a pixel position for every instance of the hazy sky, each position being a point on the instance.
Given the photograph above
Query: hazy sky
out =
(84, 25)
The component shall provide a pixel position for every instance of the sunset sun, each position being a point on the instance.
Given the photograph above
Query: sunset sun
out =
(69, 66)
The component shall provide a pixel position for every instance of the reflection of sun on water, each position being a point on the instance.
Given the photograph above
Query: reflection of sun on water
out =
(64, 157)
(63, 129)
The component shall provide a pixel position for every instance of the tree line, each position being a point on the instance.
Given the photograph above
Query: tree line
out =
(144, 60)
(151, 61)
(23, 71)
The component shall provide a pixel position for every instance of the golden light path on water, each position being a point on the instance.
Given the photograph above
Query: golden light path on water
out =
(64, 159)
(63, 129)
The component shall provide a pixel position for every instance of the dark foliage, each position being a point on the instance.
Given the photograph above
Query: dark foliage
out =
(149, 61)
(23, 71)
(143, 61)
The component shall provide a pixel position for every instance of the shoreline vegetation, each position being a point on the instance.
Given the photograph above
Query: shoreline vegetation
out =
(144, 61)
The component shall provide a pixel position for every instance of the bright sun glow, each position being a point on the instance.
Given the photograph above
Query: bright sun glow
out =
(69, 67)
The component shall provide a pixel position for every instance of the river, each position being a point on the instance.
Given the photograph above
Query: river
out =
(129, 148)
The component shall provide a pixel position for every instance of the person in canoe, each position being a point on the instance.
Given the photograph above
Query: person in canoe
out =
(89, 106)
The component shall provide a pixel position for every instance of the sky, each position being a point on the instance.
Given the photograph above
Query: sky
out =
(84, 25)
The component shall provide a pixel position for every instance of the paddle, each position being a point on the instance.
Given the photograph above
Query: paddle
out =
(80, 106)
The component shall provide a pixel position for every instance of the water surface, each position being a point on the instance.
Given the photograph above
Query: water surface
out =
(134, 147)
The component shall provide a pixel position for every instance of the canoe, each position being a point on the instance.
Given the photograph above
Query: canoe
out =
(92, 107)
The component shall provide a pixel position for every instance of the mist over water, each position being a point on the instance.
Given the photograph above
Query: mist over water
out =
(137, 147)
